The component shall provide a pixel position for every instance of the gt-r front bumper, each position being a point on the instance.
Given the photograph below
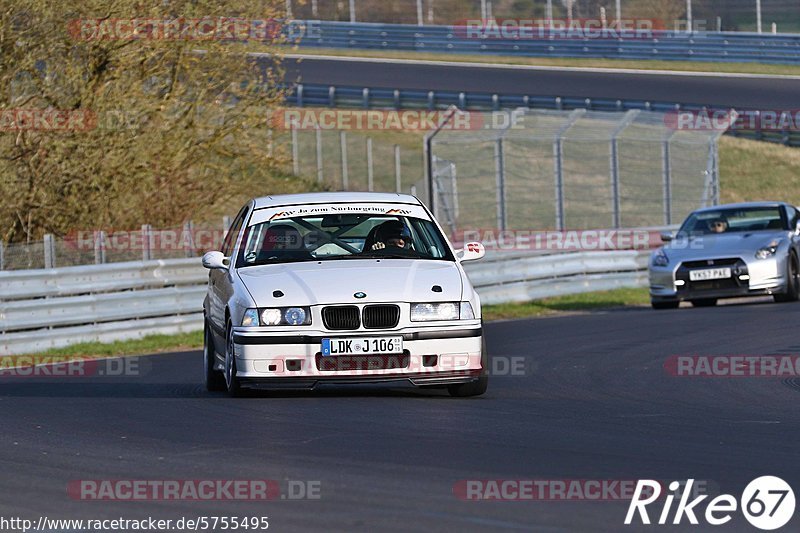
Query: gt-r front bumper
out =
(749, 277)
(431, 356)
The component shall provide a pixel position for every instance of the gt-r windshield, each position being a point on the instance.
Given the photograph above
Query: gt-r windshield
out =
(341, 236)
(734, 220)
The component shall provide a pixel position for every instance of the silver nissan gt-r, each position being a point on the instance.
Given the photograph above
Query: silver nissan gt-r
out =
(729, 251)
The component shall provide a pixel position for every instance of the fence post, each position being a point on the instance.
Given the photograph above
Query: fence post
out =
(49, 251)
(558, 171)
(500, 183)
(398, 176)
(147, 244)
(226, 224)
(188, 238)
(629, 117)
(420, 18)
(666, 173)
(295, 157)
(99, 247)
(352, 11)
(318, 137)
(2, 256)
(343, 148)
(370, 169)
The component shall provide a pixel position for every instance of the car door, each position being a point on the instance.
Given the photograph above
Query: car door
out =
(220, 282)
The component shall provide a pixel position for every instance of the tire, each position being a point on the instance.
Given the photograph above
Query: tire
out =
(792, 282)
(669, 304)
(214, 379)
(232, 383)
(475, 388)
(704, 302)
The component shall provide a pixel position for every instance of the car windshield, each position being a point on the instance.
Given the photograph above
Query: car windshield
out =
(734, 220)
(350, 236)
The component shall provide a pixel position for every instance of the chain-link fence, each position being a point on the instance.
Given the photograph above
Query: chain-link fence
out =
(99, 247)
(573, 170)
(711, 15)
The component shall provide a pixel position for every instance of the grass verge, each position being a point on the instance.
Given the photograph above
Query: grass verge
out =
(590, 301)
(681, 66)
(146, 345)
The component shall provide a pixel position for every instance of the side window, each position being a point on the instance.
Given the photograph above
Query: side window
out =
(794, 216)
(233, 232)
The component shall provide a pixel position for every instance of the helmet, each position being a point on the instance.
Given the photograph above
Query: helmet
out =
(393, 229)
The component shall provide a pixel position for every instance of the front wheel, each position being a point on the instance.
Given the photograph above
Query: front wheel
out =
(475, 388)
(231, 379)
(792, 282)
(214, 379)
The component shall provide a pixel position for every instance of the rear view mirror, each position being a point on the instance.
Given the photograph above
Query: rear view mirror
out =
(472, 251)
(215, 260)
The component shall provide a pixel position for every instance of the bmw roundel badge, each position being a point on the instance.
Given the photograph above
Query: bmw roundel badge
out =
(360, 295)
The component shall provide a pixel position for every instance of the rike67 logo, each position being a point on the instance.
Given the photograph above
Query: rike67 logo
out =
(767, 503)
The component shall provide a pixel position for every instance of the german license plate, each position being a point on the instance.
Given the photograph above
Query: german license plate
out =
(709, 273)
(362, 346)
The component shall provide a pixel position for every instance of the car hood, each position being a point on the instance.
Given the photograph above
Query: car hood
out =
(337, 281)
(738, 244)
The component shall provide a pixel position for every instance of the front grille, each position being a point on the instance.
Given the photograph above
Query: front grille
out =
(350, 363)
(381, 316)
(711, 263)
(341, 317)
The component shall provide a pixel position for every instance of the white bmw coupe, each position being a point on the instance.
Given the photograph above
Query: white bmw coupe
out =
(341, 288)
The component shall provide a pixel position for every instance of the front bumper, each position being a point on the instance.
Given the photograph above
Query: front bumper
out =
(749, 278)
(431, 356)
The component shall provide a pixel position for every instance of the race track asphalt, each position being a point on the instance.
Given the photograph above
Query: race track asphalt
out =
(593, 401)
(751, 92)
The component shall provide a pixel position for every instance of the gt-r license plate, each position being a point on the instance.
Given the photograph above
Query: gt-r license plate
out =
(709, 273)
(362, 346)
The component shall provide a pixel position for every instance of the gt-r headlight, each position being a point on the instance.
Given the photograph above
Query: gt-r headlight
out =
(767, 251)
(277, 316)
(422, 312)
(660, 258)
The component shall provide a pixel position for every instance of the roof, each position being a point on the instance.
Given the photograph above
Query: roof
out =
(741, 205)
(334, 197)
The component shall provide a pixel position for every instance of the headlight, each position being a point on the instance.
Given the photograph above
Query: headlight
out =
(768, 250)
(435, 311)
(250, 318)
(660, 258)
(277, 316)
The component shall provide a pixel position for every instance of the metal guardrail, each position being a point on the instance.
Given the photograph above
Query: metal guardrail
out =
(43, 309)
(318, 95)
(661, 45)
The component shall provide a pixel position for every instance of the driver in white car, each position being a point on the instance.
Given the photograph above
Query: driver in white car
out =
(393, 234)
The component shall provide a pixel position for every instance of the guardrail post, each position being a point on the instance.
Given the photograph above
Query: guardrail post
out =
(295, 156)
(2, 256)
(462, 100)
(49, 251)
(320, 166)
(299, 95)
(396, 97)
(147, 242)
(370, 169)
(431, 100)
(332, 96)
(500, 183)
(365, 97)
(398, 177)
(343, 148)
(495, 102)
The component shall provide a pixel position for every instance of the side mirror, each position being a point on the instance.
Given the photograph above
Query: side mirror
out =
(215, 260)
(667, 236)
(472, 252)
(797, 228)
